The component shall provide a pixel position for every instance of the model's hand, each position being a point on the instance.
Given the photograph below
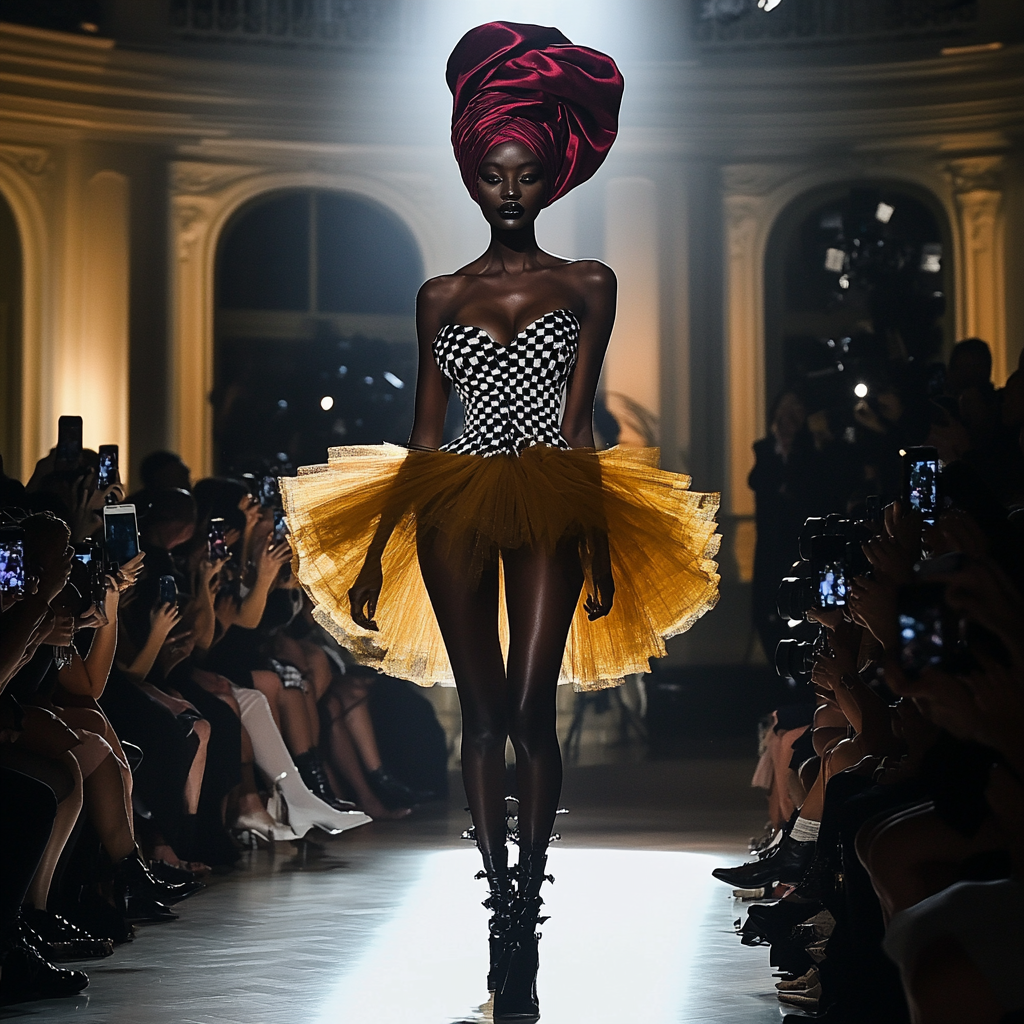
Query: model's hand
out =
(599, 603)
(365, 594)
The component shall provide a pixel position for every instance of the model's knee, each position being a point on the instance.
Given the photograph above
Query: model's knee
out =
(483, 737)
(532, 731)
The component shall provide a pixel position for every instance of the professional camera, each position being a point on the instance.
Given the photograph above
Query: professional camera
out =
(794, 659)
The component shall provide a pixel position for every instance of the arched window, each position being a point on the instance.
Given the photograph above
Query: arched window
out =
(315, 332)
(856, 279)
(10, 340)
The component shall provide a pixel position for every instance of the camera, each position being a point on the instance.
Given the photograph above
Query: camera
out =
(826, 580)
(794, 659)
(12, 561)
(216, 546)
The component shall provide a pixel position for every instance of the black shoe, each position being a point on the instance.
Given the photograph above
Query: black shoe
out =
(314, 776)
(392, 792)
(774, 923)
(25, 975)
(164, 872)
(515, 997)
(55, 938)
(132, 878)
(786, 863)
(499, 902)
(95, 915)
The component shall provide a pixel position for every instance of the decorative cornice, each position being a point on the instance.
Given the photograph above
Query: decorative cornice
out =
(32, 160)
(976, 174)
(196, 178)
(757, 179)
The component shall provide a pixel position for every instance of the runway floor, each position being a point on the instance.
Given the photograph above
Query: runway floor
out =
(384, 924)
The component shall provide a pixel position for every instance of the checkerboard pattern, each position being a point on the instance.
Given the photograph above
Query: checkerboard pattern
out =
(511, 393)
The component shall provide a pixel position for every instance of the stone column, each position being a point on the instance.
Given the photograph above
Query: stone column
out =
(981, 266)
(100, 372)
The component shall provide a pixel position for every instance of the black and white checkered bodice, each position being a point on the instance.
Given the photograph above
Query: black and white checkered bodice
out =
(512, 394)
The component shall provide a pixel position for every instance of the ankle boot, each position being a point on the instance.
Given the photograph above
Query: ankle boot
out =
(515, 997)
(314, 775)
(499, 902)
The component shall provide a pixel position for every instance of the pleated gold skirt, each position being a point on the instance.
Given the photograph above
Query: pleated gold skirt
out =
(661, 538)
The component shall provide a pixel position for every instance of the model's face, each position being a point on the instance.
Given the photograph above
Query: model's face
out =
(510, 187)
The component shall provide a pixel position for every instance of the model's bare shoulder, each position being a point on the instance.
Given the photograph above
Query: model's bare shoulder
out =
(592, 275)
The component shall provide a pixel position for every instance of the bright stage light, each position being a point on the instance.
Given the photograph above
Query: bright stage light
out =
(861, 390)
(327, 403)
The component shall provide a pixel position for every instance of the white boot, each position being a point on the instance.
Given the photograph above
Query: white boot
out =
(304, 810)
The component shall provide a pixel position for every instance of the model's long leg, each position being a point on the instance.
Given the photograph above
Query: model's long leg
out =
(541, 593)
(466, 606)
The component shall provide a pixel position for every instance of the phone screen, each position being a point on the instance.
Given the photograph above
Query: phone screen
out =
(269, 492)
(12, 565)
(922, 628)
(280, 526)
(832, 586)
(69, 439)
(216, 547)
(924, 482)
(108, 473)
(120, 533)
(168, 590)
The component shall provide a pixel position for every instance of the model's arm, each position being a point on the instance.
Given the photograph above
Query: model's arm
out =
(432, 390)
(598, 287)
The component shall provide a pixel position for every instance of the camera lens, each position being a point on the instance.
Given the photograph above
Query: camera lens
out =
(794, 660)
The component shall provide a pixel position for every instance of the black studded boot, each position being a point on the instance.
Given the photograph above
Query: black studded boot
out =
(515, 996)
(499, 903)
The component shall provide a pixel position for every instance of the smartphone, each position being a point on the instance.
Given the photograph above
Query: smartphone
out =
(216, 548)
(873, 512)
(921, 482)
(269, 492)
(923, 620)
(951, 561)
(12, 561)
(168, 591)
(109, 472)
(120, 533)
(69, 439)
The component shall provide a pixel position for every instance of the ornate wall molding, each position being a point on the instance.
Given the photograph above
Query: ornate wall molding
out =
(204, 197)
(31, 160)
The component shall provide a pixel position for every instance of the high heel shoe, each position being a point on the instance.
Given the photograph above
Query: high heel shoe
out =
(303, 811)
(515, 997)
(392, 792)
(265, 827)
(499, 902)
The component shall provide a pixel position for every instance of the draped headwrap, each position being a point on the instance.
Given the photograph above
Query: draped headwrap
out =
(529, 84)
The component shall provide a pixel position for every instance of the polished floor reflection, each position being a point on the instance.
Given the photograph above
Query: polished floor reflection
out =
(384, 924)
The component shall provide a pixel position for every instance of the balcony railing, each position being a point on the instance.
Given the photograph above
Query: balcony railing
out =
(301, 23)
(728, 24)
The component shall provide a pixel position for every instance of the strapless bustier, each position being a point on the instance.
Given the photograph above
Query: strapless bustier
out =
(511, 394)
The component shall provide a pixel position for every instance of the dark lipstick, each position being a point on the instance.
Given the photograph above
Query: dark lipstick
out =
(511, 210)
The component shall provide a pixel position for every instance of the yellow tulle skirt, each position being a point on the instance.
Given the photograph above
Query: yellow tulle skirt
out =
(661, 539)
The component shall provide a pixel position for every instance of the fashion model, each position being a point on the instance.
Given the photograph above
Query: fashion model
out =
(516, 556)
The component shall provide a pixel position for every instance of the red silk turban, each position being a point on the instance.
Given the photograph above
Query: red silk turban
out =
(529, 84)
